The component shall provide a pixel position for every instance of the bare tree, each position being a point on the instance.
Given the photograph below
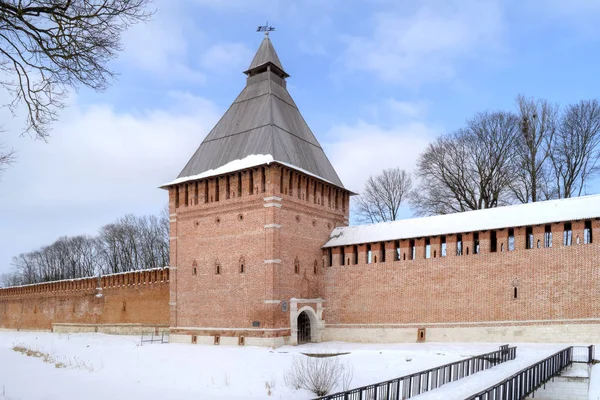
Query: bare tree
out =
(538, 122)
(131, 243)
(50, 46)
(469, 169)
(383, 195)
(7, 158)
(575, 150)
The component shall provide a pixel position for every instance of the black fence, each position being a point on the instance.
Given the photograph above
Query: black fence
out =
(583, 354)
(424, 381)
(528, 380)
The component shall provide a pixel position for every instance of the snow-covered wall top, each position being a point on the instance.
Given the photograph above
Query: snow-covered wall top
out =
(253, 160)
(538, 213)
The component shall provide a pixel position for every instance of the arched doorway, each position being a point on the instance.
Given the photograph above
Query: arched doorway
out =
(303, 328)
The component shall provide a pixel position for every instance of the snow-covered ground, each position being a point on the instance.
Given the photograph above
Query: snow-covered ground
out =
(115, 367)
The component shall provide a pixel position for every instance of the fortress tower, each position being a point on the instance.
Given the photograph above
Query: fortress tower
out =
(249, 214)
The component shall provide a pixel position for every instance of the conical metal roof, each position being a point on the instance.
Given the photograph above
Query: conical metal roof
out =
(263, 120)
(265, 54)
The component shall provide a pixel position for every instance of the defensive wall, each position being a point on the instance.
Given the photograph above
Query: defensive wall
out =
(523, 284)
(125, 303)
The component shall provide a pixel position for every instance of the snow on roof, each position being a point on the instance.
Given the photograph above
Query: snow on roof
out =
(538, 213)
(250, 161)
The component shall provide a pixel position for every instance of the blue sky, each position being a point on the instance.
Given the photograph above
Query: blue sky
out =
(376, 81)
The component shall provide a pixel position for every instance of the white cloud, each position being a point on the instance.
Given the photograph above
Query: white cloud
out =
(426, 45)
(99, 165)
(363, 149)
(225, 57)
(408, 109)
(161, 46)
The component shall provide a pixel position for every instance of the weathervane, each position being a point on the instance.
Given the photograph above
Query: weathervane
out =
(265, 28)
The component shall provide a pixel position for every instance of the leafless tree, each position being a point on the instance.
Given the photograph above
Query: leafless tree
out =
(469, 169)
(538, 123)
(7, 158)
(383, 195)
(131, 243)
(575, 150)
(50, 46)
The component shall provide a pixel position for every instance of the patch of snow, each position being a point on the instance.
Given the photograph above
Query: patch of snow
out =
(543, 212)
(253, 160)
(118, 368)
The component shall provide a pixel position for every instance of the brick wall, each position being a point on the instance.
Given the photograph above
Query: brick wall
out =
(553, 284)
(275, 231)
(139, 297)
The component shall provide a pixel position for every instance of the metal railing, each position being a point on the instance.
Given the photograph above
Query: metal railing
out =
(526, 381)
(154, 337)
(424, 381)
(584, 354)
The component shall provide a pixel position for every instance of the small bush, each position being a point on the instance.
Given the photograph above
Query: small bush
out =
(317, 374)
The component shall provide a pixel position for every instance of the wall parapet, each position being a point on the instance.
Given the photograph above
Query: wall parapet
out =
(122, 279)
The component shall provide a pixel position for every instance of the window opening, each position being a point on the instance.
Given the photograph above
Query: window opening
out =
(459, 244)
(251, 182)
(413, 249)
(443, 246)
(315, 267)
(194, 271)
(241, 265)
(239, 184)
(314, 192)
(206, 191)
(176, 190)
(369, 254)
(397, 254)
(548, 236)
(330, 256)
(476, 243)
(263, 180)
(568, 235)
(218, 269)
(515, 293)
(538, 243)
(291, 184)
(217, 189)
(307, 189)
(281, 181)
(511, 239)
(297, 266)
(493, 242)
(382, 256)
(587, 232)
(427, 248)
(196, 193)
(355, 252)
(299, 187)
(227, 187)
(186, 194)
(529, 238)
(342, 255)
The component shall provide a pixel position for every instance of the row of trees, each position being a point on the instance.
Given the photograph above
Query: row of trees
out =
(130, 243)
(539, 152)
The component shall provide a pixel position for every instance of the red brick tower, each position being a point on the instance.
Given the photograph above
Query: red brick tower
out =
(249, 214)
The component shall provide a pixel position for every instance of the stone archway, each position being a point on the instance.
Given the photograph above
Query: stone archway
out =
(306, 321)
(304, 328)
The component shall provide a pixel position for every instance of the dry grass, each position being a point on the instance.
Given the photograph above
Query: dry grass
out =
(58, 362)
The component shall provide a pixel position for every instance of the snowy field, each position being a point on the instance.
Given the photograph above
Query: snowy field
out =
(97, 366)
